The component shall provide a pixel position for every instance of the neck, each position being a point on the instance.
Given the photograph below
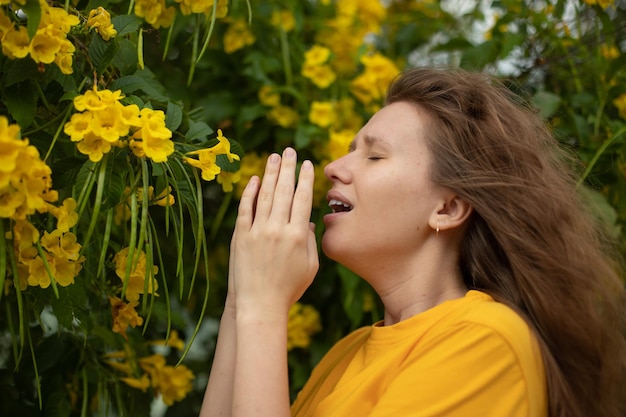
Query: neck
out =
(416, 286)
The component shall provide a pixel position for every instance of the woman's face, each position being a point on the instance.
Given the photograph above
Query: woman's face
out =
(382, 196)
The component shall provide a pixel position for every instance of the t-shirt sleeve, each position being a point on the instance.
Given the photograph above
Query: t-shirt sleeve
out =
(468, 370)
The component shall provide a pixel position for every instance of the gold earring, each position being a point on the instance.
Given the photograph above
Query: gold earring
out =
(437, 229)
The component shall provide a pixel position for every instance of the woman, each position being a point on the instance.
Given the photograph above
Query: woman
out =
(455, 204)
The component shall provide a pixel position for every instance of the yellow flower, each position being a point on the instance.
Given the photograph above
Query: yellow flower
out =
(321, 113)
(339, 143)
(223, 147)
(124, 315)
(303, 322)
(316, 55)
(207, 158)
(227, 179)
(138, 274)
(284, 116)
(65, 56)
(100, 20)
(268, 96)
(155, 136)
(609, 52)
(370, 87)
(203, 6)
(237, 36)
(108, 124)
(206, 162)
(15, 43)
(44, 47)
(78, 126)
(321, 75)
(142, 383)
(173, 341)
(620, 104)
(155, 12)
(66, 215)
(252, 164)
(174, 383)
(283, 19)
(93, 146)
(320, 186)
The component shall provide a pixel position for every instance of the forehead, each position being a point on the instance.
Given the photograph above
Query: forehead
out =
(395, 125)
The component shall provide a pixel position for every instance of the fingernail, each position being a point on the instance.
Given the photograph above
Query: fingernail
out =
(307, 165)
(290, 153)
(274, 158)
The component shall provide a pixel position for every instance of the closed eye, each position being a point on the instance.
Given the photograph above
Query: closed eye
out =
(374, 158)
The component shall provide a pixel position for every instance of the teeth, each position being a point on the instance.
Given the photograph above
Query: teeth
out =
(334, 202)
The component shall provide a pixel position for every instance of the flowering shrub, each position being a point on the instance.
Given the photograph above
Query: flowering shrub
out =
(119, 183)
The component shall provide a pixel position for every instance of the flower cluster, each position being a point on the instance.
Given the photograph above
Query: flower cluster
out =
(207, 162)
(316, 66)
(173, 383)
(48, 45)
(188, 7)
(104, 122)
(370, 86)
(304, 321)
(100, 20)
(620, 104)
(55, 254)
(156, 13)
(237, 36)
(133, 274)
(354, 21)
(25, 180)
(124, 315)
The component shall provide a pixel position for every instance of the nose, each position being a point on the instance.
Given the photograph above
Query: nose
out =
(337, 170)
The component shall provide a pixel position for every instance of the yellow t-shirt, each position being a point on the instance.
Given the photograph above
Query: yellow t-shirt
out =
(469, 357)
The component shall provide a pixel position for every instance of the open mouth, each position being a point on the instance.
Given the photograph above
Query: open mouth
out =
(338, 206)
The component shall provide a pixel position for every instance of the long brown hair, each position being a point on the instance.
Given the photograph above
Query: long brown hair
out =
(531, 242)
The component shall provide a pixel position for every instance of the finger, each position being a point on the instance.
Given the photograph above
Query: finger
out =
(265, 197)
(303, 197)
(283, 194)
(245, 213)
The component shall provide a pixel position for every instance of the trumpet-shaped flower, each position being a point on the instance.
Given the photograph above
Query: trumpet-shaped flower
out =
(268, 96)
(303, 322)
(108, 124)
(15, 43)
(153, 137)
(44, 47)
(283, 19)
(100, 20)
(138, 273)
(206, 162)
(188, 7)
(321, 113)
(93, 146)
(66, 215)
(284, 116)
(237, 36)
(124, 315)
(78, 126)
(320, 75)
(227, 179)
(155, 12)
(223, 147)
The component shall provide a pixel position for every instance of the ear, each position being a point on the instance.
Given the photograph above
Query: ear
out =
(452, 213)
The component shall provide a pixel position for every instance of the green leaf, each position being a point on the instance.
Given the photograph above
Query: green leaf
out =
(21, 102)
(20, 70)
(547, 103)
(142, 80)
(477, 57)
(101, 52)
(174, 115)
(33, 11)
(125, 24)
(198, 131)
(65, 171)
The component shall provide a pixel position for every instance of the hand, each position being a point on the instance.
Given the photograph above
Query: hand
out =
(273, 251)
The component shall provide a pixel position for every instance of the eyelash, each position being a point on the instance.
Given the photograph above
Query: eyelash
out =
(374, 158)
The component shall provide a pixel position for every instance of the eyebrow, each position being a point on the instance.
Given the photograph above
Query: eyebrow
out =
(369, 141)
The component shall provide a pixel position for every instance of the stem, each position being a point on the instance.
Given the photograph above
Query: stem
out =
(209, 33)
(46, 265)
(284, 46)
(194, 52)
(3, 258)
(37, 380)
(58, 132)
(98, 202)
(599, 153)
